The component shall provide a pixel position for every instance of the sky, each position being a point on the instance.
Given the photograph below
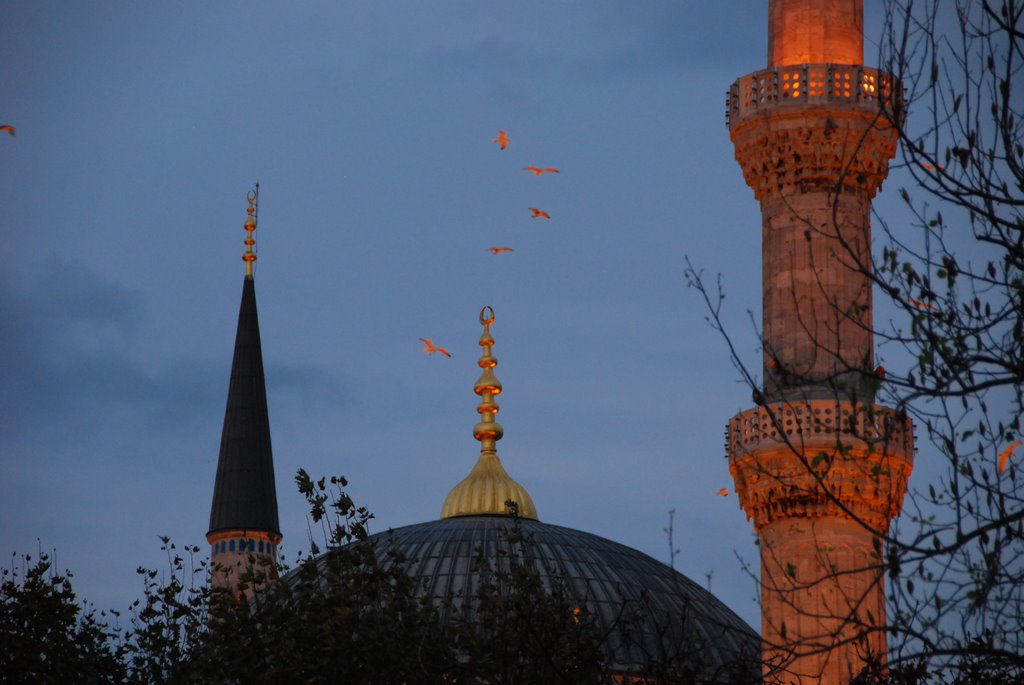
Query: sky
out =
(140, 129)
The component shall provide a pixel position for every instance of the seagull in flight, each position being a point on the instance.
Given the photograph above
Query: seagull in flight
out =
(499, 250)
(538, 171)
(723, 492)
(923, 305)
(8, 128)
(501, 140)
(539, 214)
(430, 348)
(1005, 455)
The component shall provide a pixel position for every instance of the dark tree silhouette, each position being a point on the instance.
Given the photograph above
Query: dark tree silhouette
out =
(347, 612)
(46, 636)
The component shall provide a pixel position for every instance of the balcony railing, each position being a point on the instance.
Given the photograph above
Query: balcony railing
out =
(817, 423)
(804, 84)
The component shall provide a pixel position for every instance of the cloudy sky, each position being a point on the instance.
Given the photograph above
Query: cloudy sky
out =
(140, 128)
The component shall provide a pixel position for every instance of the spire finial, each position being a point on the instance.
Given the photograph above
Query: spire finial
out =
(253, 196)
(488, 486)
(488, 431)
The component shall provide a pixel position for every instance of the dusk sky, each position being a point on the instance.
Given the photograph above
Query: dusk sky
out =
(140, 128)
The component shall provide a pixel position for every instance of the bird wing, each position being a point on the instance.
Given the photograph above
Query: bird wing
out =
(553, 171)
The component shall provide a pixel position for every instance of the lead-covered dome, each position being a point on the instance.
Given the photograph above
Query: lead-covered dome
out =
(649, 614)
(648, 611)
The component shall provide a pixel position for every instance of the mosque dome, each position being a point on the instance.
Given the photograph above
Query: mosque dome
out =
(647, 611)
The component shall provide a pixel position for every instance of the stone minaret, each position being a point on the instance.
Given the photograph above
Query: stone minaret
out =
(244, 530)
(818, 466)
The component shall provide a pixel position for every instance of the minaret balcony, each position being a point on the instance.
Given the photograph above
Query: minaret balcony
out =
(819, 421)
(820, 458)
(781, 88)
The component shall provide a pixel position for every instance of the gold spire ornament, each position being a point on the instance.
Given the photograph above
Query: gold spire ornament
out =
(250, 227)
(488, 486)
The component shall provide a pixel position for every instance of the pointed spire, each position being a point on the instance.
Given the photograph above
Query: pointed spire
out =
(244, 496)
(488, 486)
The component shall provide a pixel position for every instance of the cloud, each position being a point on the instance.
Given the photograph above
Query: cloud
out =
(68, 343)
(669, 38)
(490, 57)
(607, 42)
(52, 321)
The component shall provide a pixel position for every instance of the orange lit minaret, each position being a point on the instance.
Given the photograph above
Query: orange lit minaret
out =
(818, 466)
(244, 530)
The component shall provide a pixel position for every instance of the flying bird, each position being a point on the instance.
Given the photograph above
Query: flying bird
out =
(8, 128)
(722, 492)
(499, 250)
(539, 214)
(1005, 455)
(538, 171)
(923, 305)
(501, 140)
(430, 348)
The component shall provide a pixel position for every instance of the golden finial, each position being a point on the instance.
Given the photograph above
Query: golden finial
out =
(253, 196)
(488, 431)
(488, 486)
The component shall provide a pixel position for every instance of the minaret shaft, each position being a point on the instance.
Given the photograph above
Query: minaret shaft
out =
(815, 32)
(817, 310)
(818, 467)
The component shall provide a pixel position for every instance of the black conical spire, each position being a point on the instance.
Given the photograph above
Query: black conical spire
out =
(244, 496)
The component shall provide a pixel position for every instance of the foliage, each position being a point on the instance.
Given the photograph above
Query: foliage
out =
(47, 636)
(345, 617)
(957, 559)
(351, 614)
(515, 629)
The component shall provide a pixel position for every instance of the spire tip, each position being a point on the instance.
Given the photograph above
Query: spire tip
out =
(250, 227)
